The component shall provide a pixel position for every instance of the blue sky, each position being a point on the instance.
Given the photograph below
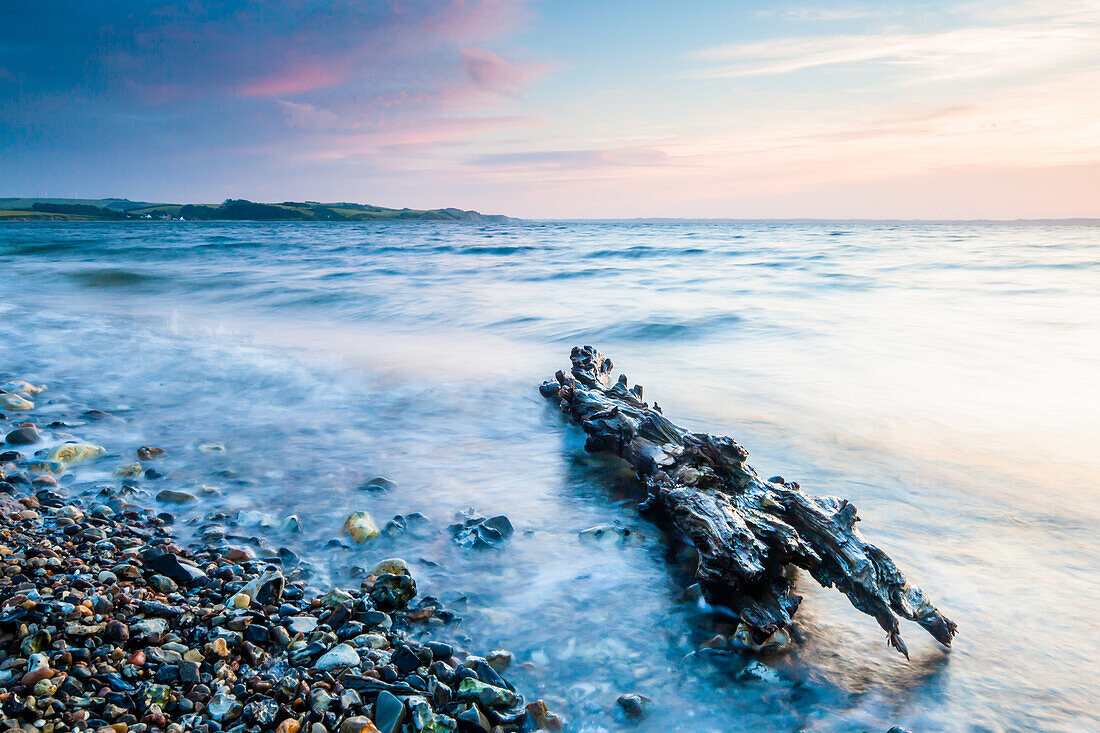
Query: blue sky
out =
(562, 109)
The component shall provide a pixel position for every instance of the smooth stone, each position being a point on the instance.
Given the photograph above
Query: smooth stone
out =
(168, 496)
(633, 705)
(499, 659)
(405, 660)
(301, 624)
(189, 671)
(392, 592)
(475, 690)
(392, 566)
(262, 712)
(177, 568)
(163, 584)
(389, 712)
(758, 672)
(320, 701)
(472, 719)
(23, 436)
(340, 656)
(540, 715)
(358, 724)
(148, 627)
(378, 483)
(9, 401)
(220, 705)
(69, 453)
(267, 589)
(360, 527)
(440, 650)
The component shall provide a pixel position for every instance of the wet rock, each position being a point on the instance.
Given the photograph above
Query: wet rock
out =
(391, 566)
(340, 656)
(604, 532)
(470, 718)
(474, 690)
(405, 660)
(301, 624)
(23, 387)
(178, 569)
(377, 484)
(163, 584)
(189, 671)
(115, 629)
(756, 671)
(131, 470)
(23, 436)
(542, 718)
(148, 627)
(358, 724)
(633, 705)
(499, 659)
(220, 706)
(167, 496)
(439, 650)
(267, 589)
(477, 531)
(360, 527)
(15, 403)
(389, 712)
(392, 592)
(70, 453)
(148, 453)
(778, 642)
(261, 712)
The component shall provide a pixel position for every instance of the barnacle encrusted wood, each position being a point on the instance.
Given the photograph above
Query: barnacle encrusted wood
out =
(747, 531)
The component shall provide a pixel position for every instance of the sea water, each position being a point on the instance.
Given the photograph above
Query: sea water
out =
(944, 377)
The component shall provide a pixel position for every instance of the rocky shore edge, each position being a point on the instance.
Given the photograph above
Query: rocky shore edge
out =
(106, 625)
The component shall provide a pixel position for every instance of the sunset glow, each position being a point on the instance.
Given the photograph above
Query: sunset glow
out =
(563, 109)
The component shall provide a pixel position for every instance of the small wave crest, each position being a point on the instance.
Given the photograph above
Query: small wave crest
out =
(110, 277)
(668, 330)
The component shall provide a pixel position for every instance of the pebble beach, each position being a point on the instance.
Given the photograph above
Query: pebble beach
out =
(106, 624)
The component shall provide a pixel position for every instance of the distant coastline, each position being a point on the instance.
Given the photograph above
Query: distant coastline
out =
(120, 209)
(116, 209)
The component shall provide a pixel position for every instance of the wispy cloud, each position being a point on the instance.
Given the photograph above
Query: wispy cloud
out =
(1020, 43)
(412, 137)
(309, 116)
(577, 159)
(822, 14)
(491, 73)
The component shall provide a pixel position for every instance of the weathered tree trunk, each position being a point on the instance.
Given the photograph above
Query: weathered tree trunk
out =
(746, 530)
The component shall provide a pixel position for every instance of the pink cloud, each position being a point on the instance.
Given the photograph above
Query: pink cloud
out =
(419, 134)
(309, 116)
(489, 72)
(294, 80)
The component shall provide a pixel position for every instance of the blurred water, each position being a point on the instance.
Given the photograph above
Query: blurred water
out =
(943, 377)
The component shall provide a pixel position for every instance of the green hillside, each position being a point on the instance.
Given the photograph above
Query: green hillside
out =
(114, 209)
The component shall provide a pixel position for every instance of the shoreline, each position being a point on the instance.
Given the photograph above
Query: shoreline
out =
(107, 625)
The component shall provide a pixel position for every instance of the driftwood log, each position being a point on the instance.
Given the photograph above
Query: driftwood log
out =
(747, 531)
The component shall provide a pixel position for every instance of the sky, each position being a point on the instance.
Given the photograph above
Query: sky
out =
(561, 108)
